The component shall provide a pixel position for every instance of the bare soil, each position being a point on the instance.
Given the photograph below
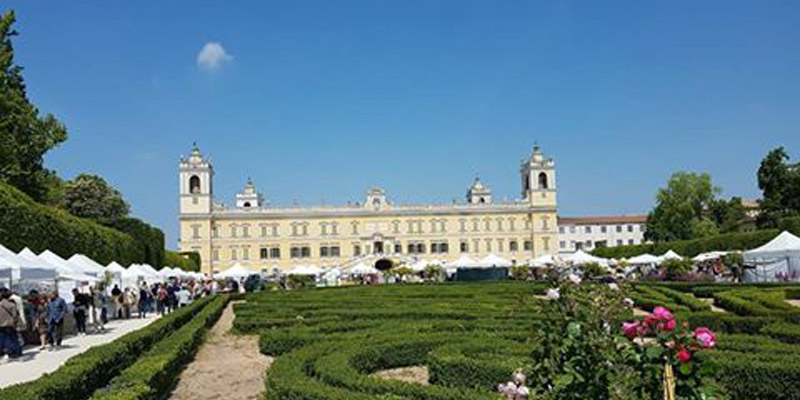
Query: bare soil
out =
(227, 366)
(714, 308)
(416, 374)
(793, 302)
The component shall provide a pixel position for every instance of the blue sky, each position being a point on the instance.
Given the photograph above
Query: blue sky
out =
(320, 100)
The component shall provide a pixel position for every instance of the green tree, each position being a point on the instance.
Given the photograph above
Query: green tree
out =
(25, 136)
(727, 214)
(89, 196)
(681, 210)
(779, 182)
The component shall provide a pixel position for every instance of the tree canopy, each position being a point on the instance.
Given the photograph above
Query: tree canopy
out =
(682, 208)
(779, 182)
(89, 196)
(25, 135)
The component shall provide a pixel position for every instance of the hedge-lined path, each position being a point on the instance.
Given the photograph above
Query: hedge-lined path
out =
(227, 366)
(35, 363)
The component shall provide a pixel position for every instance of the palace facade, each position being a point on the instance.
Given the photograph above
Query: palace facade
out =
(268, 238)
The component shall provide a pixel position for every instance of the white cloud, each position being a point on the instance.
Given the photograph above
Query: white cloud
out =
(212, 56)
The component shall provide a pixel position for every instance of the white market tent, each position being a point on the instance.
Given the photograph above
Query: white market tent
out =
(493, 260)
(544, 260)
(305, 270)
(644, 259)
(16, 268)
(711, 255)
(86, 265)
(142, 272)
(115, 269)
(362, 269)
(237, 271)
(462, 262)
(64, 270)
(780, 256)
(669, 255)
(581, 257)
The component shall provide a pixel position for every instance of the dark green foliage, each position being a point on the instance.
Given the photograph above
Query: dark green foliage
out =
(691, 248)
(181, 260)
(155, 372)
(148, 240)
(780, 183)
(25, 135)
(81, 375)
(784, 331)
(90, 196)
(681, 210)
(25, 223)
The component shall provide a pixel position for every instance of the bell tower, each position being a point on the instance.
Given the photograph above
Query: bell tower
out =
(538, 175)
(196, 178)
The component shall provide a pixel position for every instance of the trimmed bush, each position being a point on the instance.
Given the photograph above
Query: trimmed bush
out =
(691, 248)
(26, 223)
(81, 375)
(155, 373)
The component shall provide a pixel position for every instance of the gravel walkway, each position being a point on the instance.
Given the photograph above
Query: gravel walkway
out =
(35, 363)
(227, 366)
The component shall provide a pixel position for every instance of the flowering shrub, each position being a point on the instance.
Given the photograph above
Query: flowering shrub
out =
(663, 347)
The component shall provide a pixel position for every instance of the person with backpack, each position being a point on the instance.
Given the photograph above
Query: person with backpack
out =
(10, 322)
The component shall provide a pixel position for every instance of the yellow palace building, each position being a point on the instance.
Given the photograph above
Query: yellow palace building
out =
(376, 231)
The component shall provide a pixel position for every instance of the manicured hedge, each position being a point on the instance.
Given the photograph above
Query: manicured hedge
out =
(26, 223)
(154, 374)
(691, 248)
(81, 375)
(184, 261)
(148, 240)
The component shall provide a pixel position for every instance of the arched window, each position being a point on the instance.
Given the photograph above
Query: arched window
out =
(482, 200)
(542, 180)
(194, 184)
(247, 204)
(527, 182)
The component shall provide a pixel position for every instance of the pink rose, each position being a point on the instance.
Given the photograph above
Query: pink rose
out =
(668, 326)
(705, 337)
(684, 356)
(631, 329)
(670, 345)
(662, 314)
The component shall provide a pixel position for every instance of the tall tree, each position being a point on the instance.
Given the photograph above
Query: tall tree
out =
(681, 210)
(779, 182)
(25, 136)
(89, 196)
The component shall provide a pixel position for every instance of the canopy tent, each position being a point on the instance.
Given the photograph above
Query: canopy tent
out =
(669, 255)
(142, 272)
(6, 251)
(711, 255)
(16, 268)
(305, 270)
(363, 269)
(115, 268)
(167, 272)
(64, 270)
(493, 260)
(332, 274)
(86, 265)
(644, 259)
(581, 257)
(544, 260)
(462, 262)
(774, 260)
(237, 271)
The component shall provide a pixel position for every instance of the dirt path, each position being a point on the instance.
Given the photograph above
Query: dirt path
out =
(793, 302)
(418, 374)
(226, 367)
(714, 308)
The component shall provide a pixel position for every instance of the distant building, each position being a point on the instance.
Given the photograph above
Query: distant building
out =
(589, 233)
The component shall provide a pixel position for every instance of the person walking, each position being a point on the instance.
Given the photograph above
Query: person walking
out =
(184, 297)
(161, 299)
(100, 303)
(80, 310)
(144, 299)
(40, 318)
(10, 322)
(56, 311)
(116, 297)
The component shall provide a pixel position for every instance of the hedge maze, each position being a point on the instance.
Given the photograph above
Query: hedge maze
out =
(471, 337)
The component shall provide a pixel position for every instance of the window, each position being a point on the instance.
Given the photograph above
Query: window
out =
(196, 231)
(588, 244)
(234, 255)
(275, 252)
(356, 250)
(527, 245)
(619, 228)
(434, 225)
(434, 248)
(263, 231)
(512, 246)
(619, 242)
(305, 229)
(571, 229)
(444, 248)
(215, 254)
(500, 245)
(512, 224)
(275, 230)
(412, 248)
(245, 253)
(603, 229)
(545, 225)
(542, 180)
(499, 224)
(323, 251)
(487, 225)
(475, 225)
(214, 231)
(335, 251)
(354, 226)
(464, 247)
(462, 225)
(263, 253)
(561, 229)
(294, 252)
(630, 242)
(246, 230)
(323, 228)
(546, 243)
(334, 228)
(421, 248)
(233, 231)
(305, 251)
(562, 244)
(398, 248)
(488, 245)
(630, 228)
(396, 226)
(194, 184)
(476, 245)
(587, 229)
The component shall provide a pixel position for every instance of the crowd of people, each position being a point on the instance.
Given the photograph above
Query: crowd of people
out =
(39, 318)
